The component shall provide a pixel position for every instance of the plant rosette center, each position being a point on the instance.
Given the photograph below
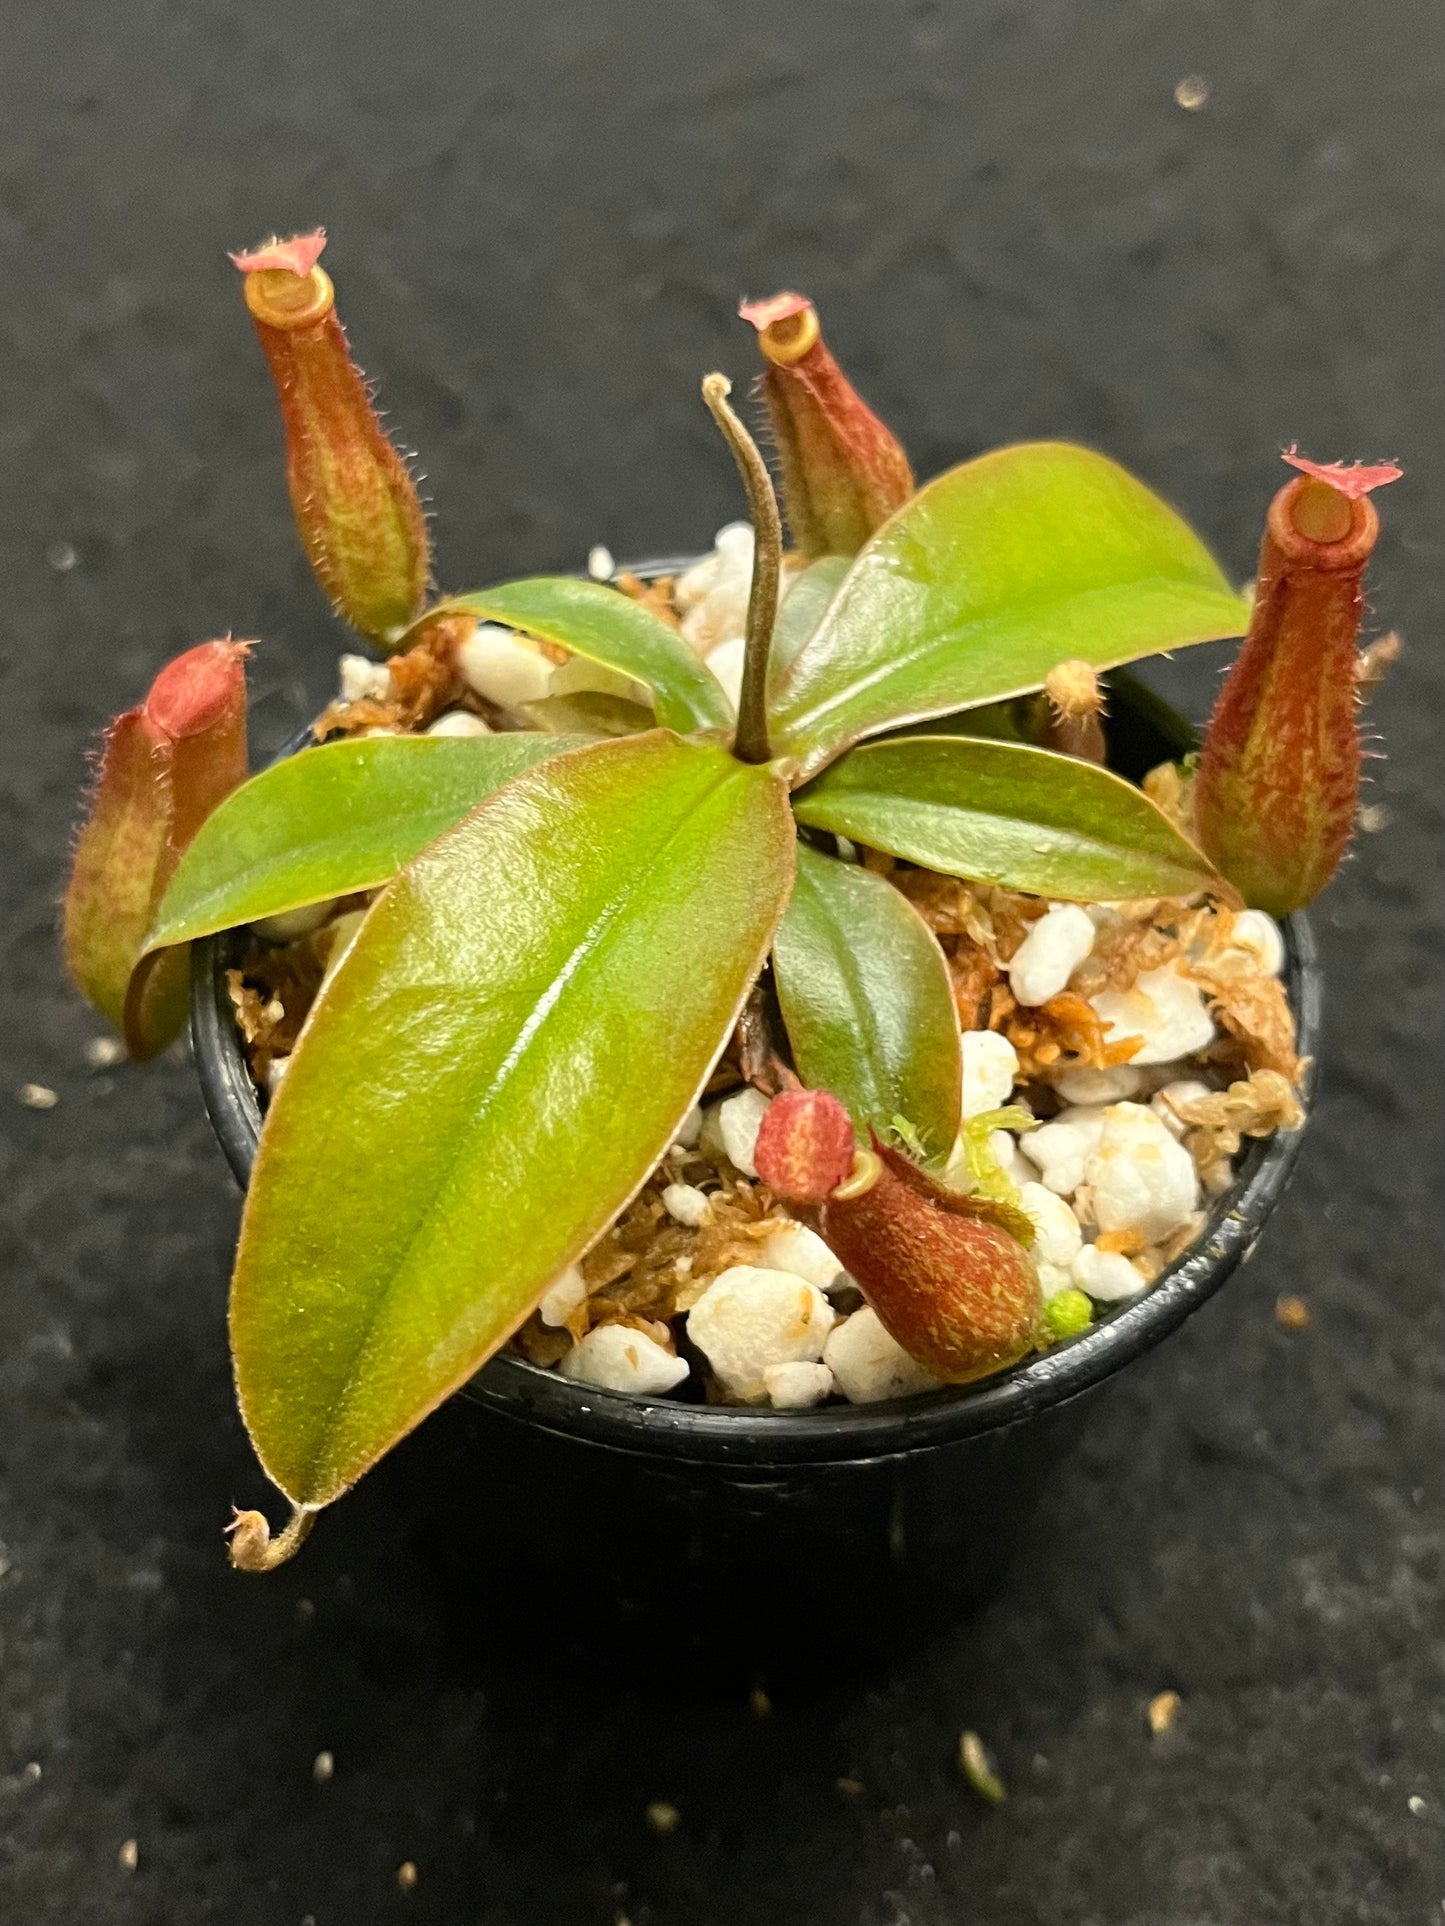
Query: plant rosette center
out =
(1093, 1067)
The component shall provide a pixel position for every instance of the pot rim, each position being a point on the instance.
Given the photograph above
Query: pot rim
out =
(827, 1433)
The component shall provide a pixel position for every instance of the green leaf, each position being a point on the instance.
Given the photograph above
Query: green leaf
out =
(866, 997)
(523, 1021)
(987, 579)
(590, 713)
(1006, 813)
(608, 627)
(802, 611)
(340, 817)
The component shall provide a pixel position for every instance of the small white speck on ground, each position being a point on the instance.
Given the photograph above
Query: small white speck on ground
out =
(978, 1768)
(323, 1767)
(61, 556)
(1161, 1712)
(1191, 93)
(104, 1053)
(663, 1817)
(32, 1773)
(600, 565)
(38, 1096)
(406, 1876)
(128, 1858)
(1373, 818)
(1417, 1805)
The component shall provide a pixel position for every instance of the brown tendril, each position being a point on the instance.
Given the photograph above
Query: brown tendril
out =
(750, 741)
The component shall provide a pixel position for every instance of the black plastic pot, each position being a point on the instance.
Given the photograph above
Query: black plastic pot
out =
(712, 1524)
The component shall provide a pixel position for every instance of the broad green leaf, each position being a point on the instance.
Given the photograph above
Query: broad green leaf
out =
(987, 579)
(608, 627)
(524, 1019)
(340, 817)
(804, 608)
(1006, 813)
(866, 998)
(591, 714)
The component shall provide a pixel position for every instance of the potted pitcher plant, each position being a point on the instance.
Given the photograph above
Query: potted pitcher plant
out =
(781, 1020)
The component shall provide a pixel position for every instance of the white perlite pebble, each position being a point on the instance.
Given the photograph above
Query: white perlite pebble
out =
(1258, 933)
(1059, 1149)
(361, 678)
(732, 549)
(1185, 1090)
(459, 722)
(1057, 1236)
(561, 1299)
(750, 1318)
(618, 1358)
(686, 1204)
(727, 661)
(690, 1129)
(1141, 1179)
(990, 1064)
(1048, 956)
(693, 584)
(869, 1364)
(1164, 1008)
(739, 1118)
(503, 667)
(1100, 1086)
(1053, 1278)
(600, 565)
(1009, 1158)
(793, 1387)
(714, 592)
(1105, 1275)
(801, 1252)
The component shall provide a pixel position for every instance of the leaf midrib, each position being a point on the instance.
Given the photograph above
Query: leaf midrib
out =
(162, 935)
(434, 819)
(1026, 826)
(852, 978)
(588, 947)
(905, 659)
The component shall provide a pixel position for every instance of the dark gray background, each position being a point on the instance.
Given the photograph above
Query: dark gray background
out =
(542, 218)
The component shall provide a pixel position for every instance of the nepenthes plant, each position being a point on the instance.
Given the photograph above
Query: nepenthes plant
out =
(561, 931)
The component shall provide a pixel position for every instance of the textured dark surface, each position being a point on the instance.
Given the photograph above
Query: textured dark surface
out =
(541, 219)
